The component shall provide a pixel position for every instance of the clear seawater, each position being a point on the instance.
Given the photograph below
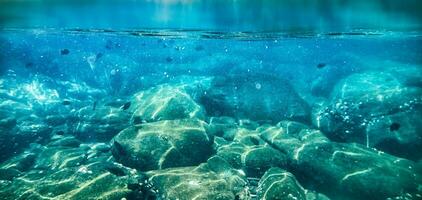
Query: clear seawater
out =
(194, 105)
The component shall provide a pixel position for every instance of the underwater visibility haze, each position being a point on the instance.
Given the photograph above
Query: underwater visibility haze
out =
(190, 99)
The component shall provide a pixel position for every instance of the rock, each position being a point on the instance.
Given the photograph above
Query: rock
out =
(68, 141)
(249, 153)
(223, 127)
(101, 147)
(277, 183)
(19, 129)
(165, 102)
(197, 183)
(31, 110)
(341, 169)
(62, 172)
(364, 106)
(256, 97)
(69, 183)
(163, 144)
(9, 174)
(101, 124)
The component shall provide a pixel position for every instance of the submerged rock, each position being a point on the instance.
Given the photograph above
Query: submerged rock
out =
(18, 128)
(100, 124)
(200, 182)
(257, 97)
(277, 183)
(342, 170)
(364, 106)
(163, 144)
(63, 172)
(165, 102)
(249, 153)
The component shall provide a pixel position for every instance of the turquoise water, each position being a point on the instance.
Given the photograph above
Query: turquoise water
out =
(210, 100)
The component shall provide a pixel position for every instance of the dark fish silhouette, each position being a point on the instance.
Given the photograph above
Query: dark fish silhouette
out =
(29, 65)
(199, 48)
(64, 51)
(99, 55)
(66, 102)
(321, 65)
(394, 126)
(126, 106)
(169, 59)
(94, 105)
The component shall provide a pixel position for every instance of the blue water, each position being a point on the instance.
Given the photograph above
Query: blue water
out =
(338, 113)
(183, 100)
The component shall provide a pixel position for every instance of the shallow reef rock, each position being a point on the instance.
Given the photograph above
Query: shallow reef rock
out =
(280, 184)
(376, 110)
(248, 152)
(164, 102)
(30, 111)
(19, 127)
(163, 144)
(259, 97)
(100, 124)
(63, 171)
(199, 182)
(351, 170)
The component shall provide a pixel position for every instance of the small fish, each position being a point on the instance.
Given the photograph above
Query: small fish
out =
(169, 59)
(394, 126)
(94, 105)
(66, 102)
(29, 65)
(99, 55)
(126, 106)
(321, 65)
(199, 48)
(64, 51)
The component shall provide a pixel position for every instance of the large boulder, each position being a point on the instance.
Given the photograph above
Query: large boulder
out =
(249, 153)
(277, 183)
(259, 97)
(164, 102)
(376, 110)
(200, 182)
(341, 169)
(163, 144)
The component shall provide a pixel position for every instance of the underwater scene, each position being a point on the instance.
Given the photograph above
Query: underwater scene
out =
(206, 110)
